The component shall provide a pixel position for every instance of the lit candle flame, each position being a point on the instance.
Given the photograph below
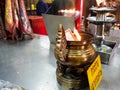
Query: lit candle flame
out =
(77, 34)
(104, 3)
(68, 12)
(72, 10)
(99, 2)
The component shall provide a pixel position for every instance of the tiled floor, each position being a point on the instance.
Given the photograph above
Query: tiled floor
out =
(31, 64)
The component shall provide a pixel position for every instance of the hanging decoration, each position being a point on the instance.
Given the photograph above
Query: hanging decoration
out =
(9, 23)
(2, 31)
(16, 21)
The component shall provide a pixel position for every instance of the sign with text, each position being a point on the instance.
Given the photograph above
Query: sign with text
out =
(95, 74)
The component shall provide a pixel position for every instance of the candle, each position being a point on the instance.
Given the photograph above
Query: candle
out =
(70, 35)
(70, 12)
(99, 2)
(104, 3)
(77, 35)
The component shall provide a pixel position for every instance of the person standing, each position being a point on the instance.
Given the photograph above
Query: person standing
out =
(41, 7)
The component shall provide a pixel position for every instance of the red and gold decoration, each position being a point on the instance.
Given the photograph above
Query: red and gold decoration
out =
(16, 20)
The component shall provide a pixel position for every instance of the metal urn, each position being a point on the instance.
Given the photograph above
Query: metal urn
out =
(73, 60)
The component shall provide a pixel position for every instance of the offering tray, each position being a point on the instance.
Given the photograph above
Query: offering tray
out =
(94, 19)
(103, 9)
(105, 50)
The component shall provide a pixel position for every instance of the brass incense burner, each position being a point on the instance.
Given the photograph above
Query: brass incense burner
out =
(73, 60)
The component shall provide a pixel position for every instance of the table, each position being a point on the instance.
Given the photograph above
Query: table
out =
(32, 65)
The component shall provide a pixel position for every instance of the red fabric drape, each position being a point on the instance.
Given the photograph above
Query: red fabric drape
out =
(79, 6)
(16, 20)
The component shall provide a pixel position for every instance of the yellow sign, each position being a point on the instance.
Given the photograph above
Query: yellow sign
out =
(95, 74)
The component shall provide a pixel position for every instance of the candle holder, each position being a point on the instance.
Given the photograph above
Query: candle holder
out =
(100, 20)
(73, 60)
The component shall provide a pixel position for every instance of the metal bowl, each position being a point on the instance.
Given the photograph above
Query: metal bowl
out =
(78, 53)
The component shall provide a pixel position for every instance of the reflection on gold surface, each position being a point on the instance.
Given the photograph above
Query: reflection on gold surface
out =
(75, 52)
